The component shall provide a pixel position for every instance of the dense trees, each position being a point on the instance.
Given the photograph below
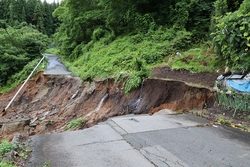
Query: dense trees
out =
(90, 26)
(18, 46)
(24, 29)
(89, 20)
(85, 21)
(31, 11)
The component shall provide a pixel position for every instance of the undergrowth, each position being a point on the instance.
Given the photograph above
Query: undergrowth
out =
(131, 58)
(237, 101)
(196, 60)
(20, 77)
(6, 147)
(21, 150)
(75, 123)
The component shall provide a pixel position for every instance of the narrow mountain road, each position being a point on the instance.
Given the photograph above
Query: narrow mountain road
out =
(55, 66)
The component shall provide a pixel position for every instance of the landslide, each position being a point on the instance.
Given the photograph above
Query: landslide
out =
(47, 104)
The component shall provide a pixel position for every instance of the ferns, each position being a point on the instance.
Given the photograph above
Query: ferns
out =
(129, 58)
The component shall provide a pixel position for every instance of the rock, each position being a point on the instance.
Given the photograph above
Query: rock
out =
(54, 112)
(15, 126)
(33, 125)
(32, 133)
(74, 95)
(33, 120)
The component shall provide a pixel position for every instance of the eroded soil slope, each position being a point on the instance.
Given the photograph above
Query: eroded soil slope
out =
(48, 103)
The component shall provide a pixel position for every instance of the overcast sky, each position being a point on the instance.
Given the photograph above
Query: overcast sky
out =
(51, 1)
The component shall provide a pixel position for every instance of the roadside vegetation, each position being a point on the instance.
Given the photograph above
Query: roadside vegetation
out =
(8, 150)
(125, 40)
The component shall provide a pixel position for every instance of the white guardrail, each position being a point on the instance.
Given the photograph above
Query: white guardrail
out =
(23, 85)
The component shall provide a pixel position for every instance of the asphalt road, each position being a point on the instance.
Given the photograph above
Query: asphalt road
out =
(159, 140)
(55, 66)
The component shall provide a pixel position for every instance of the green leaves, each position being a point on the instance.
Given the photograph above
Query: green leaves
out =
(236, 101)
(18, 48)
(5, 147)
(232, 37)
(75, 123)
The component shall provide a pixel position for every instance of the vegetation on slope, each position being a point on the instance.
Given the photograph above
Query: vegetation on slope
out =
(20, 49)
(125, 39)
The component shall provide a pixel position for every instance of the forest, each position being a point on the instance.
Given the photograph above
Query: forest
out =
(125, 39)
(26, 28)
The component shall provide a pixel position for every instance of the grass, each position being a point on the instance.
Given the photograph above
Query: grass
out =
(46, 164)
(195, 60)
(22, 150)
(75, 123)
(6, 147)
(223, 120)
(52, 51)
(236, 101)
(7, 164)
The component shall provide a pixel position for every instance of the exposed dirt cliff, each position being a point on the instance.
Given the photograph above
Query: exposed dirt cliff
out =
(48, 103)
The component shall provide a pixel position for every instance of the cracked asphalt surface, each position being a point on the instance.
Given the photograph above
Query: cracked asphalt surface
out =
(159, 140)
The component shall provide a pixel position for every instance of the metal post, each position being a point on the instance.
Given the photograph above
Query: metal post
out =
(23, 84)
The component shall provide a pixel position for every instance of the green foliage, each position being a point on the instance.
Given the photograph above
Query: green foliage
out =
(98, 33)
(75, 123)
(5, 147)
(236, 101)
(52, 51)
(18, 47)
(19, 77)
(127, 38)
(88, 21)
(33, 12)
(130, 54)
(132, 57)
(196, 60)
(7, 164)
(232, 38)
(21, 149)
(223, 120)
(180, 14)
(46, 164)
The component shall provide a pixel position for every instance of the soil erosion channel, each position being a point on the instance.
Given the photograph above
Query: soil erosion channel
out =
(48, 103)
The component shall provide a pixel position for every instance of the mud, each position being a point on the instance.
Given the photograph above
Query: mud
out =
(51, 102)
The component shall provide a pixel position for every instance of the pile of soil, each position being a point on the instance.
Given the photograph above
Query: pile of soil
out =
(47, 104)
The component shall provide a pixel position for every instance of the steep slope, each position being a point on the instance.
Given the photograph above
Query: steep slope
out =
(48, 103)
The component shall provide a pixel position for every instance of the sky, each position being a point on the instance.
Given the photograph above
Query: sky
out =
(51, 1)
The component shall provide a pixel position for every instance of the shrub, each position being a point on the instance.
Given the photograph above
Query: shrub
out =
(232, 37)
